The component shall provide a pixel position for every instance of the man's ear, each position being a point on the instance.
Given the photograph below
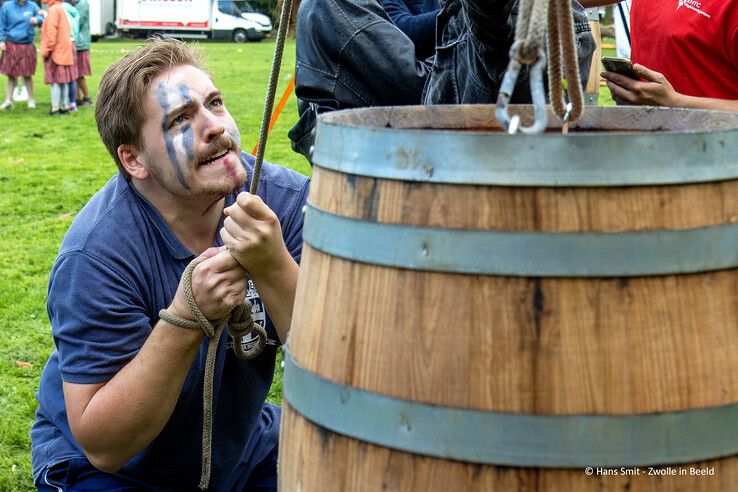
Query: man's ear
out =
(129, 157)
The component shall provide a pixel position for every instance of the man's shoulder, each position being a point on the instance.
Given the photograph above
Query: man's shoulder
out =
(105, 219)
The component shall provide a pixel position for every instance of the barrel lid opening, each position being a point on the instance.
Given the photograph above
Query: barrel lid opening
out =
(478, 117)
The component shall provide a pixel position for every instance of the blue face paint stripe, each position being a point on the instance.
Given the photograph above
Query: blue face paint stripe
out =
(188, 139)
(185, 93)
(161, 94)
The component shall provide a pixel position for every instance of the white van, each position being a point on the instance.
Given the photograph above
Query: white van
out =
(242, 8)
(217, 19)
(102, 18)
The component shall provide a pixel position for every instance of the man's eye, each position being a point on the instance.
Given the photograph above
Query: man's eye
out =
(179, 119)
(217, 102)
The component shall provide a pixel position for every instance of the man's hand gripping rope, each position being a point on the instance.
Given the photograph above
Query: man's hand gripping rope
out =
(240, 323)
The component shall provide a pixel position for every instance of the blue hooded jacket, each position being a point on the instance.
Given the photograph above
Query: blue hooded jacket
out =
(15, 25)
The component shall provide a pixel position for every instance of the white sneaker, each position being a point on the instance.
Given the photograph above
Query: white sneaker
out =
(6, 104)
(20, 93)
(31, 104)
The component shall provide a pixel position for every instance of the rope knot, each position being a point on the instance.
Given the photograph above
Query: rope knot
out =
(526, 53)
(240, 324)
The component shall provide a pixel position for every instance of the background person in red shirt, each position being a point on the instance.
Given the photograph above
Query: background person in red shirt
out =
(684, 51)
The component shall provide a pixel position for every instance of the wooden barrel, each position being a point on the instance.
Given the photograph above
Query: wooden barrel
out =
(479, 311)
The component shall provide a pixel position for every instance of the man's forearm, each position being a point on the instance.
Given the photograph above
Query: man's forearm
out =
(693, 102)
(125, 414)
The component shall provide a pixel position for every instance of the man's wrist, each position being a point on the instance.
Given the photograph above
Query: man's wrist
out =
(678, 100)
(275, 269)
(181, 311)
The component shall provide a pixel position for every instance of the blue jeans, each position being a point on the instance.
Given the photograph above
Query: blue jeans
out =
(78, 475)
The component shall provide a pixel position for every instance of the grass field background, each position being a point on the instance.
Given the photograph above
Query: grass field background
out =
(49, 168)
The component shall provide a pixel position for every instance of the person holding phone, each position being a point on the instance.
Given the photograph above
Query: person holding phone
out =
(684, 53)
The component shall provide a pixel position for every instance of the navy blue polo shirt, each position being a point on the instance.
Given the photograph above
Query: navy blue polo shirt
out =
(118, 265)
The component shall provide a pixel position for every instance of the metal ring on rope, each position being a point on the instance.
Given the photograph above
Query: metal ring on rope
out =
(534, 18)
(511, 124)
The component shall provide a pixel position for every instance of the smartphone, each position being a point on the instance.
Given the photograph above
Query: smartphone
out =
(623, 66)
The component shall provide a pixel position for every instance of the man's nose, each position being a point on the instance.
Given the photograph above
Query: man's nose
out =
(213, 128)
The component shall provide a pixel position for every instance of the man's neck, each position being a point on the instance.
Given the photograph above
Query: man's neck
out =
(194, 221)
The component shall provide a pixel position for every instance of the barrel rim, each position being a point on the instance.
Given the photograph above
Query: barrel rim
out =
(458, 156)
(346, 117)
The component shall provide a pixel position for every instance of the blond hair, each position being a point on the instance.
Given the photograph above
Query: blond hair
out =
(119, 110)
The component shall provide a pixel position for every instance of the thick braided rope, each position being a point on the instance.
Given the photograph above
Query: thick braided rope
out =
(284, 20)
(530, 29)
(555, 68)
(562, 60)
(239, 323)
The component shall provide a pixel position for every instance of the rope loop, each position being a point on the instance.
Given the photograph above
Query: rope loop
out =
(511, 124)
(535, 18)
(563, 71)
(241, 324)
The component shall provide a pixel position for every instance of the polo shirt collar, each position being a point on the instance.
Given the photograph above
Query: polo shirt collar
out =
(178, 250)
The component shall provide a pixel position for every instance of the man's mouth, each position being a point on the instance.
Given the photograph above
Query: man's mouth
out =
(214, 158)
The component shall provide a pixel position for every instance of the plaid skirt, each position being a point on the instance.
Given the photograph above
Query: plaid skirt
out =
(19, 60)
(83, 64)
(58, 74)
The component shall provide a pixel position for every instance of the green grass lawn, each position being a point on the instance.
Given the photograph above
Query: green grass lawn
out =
(49, 168)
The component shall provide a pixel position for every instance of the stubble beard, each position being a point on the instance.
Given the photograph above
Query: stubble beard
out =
(215, 188)
(233, 176)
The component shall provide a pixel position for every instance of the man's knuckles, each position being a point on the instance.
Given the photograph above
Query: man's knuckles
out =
(261, 233)
(247, 200)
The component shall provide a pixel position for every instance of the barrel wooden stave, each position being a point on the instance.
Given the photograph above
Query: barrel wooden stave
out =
(526, 208)
(398, 332)
(561, 346)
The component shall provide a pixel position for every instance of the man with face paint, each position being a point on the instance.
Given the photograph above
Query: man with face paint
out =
(120, 401)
